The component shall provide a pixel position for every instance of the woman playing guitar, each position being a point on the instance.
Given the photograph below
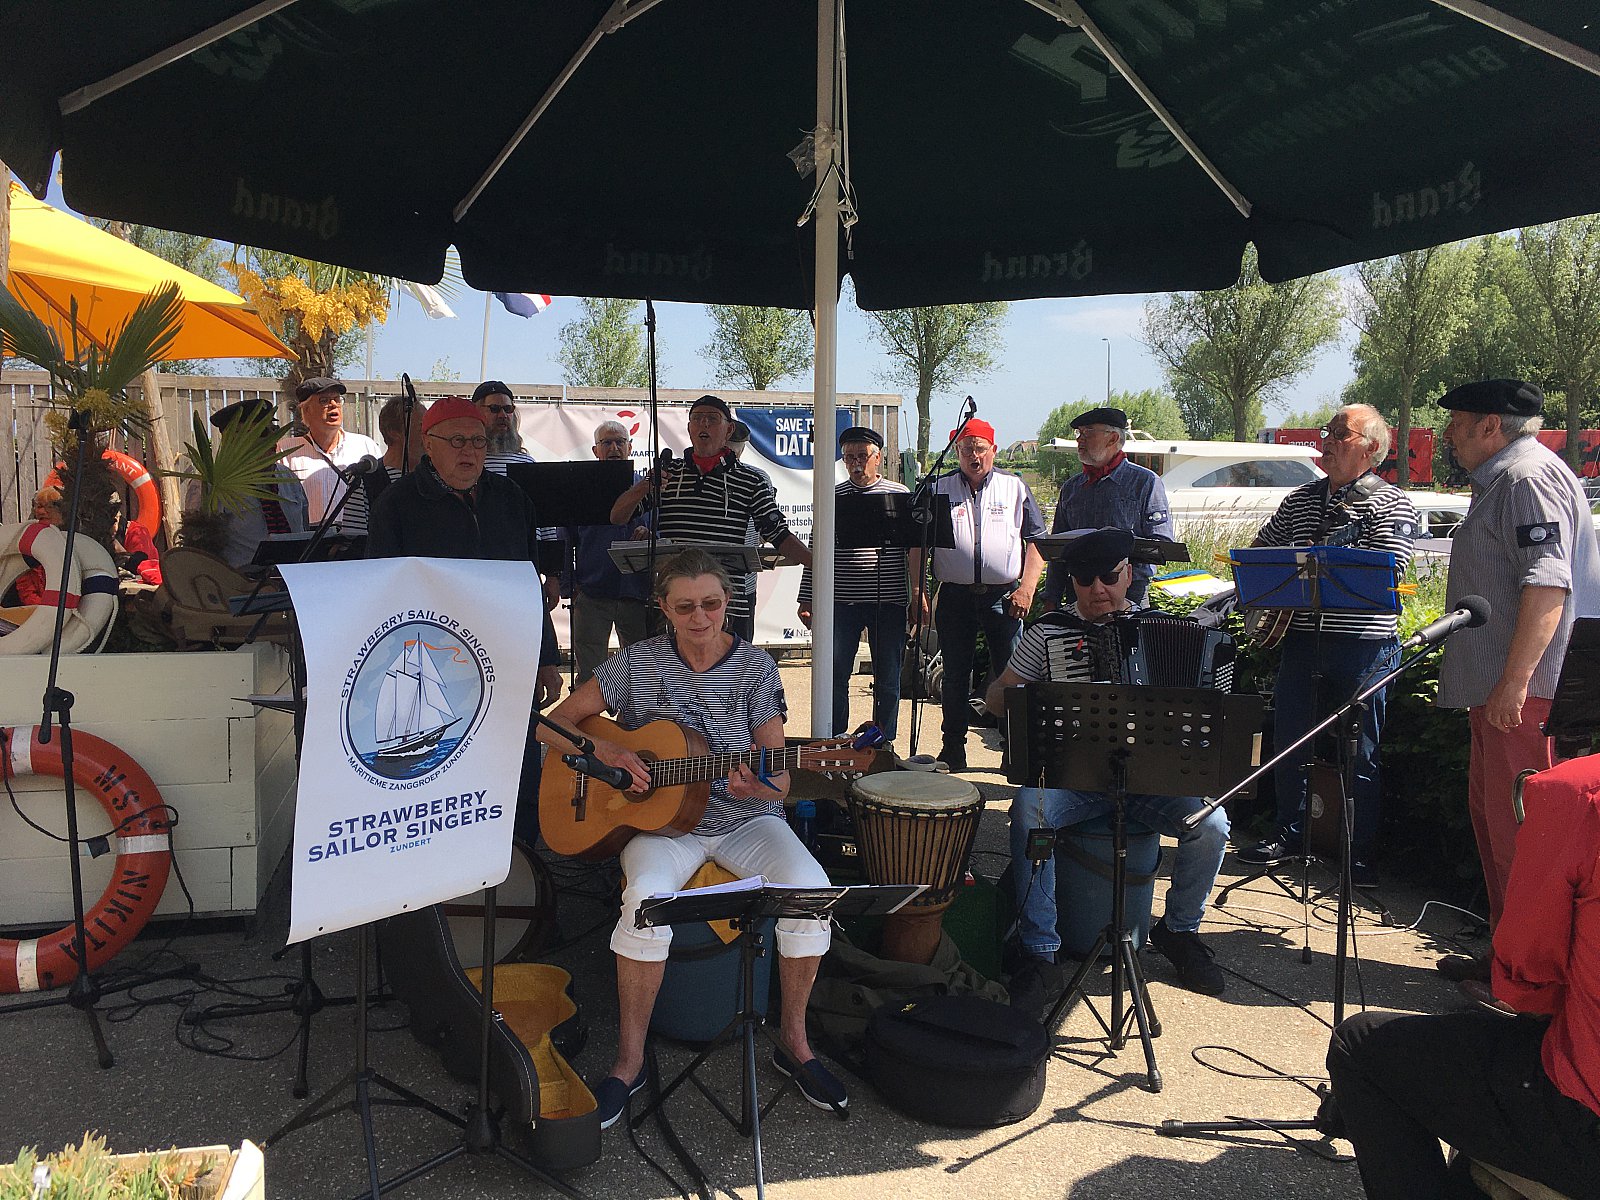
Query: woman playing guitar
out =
(729, 692)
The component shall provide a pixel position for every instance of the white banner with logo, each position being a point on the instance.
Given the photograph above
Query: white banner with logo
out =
(419, 682)
(780, 447)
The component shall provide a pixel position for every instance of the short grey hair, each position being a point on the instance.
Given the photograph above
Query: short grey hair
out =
(690, 564)
(601, 429)
(1520, 427)
(1371, 425)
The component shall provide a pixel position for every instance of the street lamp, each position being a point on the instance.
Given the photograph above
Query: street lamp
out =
(1107, 341)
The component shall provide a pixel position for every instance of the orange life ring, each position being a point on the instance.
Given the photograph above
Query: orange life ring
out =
(144, 856)
(146, 496)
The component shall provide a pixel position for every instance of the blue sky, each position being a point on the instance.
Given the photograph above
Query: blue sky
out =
(1053, 353)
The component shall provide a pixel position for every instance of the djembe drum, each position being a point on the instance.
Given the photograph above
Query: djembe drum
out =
(915, 827)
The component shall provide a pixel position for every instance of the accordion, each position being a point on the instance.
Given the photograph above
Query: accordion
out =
(1153, 650)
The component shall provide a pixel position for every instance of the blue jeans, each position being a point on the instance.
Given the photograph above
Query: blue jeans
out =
(885, 627)
(1348, 664)
(958, 617)
(1194, 867)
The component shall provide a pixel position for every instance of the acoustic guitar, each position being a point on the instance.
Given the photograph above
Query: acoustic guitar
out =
(584, 818)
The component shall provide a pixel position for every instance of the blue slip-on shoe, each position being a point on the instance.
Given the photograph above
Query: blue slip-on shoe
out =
(612, 1096)
(817, 1083)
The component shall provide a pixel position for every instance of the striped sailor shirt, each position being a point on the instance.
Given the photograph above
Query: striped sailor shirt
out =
(725, 704)
(1382, 519)
(865, 576)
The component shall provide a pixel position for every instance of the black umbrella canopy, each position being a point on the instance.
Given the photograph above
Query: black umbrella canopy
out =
(994, 151)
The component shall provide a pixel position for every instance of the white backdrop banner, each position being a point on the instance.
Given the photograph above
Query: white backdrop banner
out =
(420, 675)
(780, 446)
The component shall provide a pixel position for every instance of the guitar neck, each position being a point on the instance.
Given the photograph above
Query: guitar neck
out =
(665, 772)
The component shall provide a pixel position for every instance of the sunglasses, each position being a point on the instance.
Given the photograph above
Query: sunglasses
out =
(501, 408)
(684, 608)
(1109, 578)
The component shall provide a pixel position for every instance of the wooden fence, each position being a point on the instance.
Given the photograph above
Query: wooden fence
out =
(26, 455)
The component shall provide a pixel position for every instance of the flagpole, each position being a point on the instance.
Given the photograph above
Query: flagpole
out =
(483, 356)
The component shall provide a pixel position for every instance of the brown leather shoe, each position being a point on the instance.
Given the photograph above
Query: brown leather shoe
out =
(1459, 968)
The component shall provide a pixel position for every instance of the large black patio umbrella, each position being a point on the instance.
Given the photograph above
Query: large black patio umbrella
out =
(993, 150)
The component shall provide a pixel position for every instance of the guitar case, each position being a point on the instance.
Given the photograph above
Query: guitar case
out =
(529, 1076)
(958, 1060)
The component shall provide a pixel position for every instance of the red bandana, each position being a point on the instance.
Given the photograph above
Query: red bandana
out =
(1096, 474)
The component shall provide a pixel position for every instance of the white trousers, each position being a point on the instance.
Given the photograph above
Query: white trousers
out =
(763, 845)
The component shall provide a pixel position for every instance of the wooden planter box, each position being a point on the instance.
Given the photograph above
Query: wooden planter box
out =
(227, 768)
(244, 1179)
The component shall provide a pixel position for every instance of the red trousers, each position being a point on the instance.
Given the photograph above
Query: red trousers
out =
(1498, 757)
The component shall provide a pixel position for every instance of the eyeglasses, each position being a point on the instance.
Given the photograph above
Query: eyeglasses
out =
(706, 418)
(973, 446)
(711, 604)
(614, 442)
(1329, 435)
(856, 459)
(1109, 578)
(501, 408)
(460, 441)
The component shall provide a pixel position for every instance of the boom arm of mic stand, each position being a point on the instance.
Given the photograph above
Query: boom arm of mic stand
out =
(584, 745)
(1193, 820)
(318, 536)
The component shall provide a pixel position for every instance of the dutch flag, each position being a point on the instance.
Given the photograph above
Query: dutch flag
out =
(523, 304)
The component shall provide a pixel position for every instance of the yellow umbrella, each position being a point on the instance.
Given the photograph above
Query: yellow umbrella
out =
(56, 259)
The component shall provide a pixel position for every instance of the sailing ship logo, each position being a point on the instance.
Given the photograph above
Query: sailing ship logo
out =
(417, 695)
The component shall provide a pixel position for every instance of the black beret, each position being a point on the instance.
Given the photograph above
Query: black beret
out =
(1509, 397)
(239, 410)
(716, 402)
(1098, 552)
(491, 387)
(1113, 417)
(860, 433)
(308, 388)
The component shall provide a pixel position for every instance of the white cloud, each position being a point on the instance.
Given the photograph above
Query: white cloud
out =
(1102, 318)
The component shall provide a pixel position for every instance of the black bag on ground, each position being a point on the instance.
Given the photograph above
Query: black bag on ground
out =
(957, 1060)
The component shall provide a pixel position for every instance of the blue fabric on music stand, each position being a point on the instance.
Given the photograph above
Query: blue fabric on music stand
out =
(1348, 580)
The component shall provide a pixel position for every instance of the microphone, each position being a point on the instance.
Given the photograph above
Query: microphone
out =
(972, 407)
(411, 392)
(1470, 612)
(367, 464)
(588, 764)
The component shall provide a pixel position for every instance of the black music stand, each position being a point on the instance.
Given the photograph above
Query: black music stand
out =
(1575, 710)
(1316, 580)
(1092, 737)
(747, 905)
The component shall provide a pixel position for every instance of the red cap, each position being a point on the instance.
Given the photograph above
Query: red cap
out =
(451, 408)
(975, 428)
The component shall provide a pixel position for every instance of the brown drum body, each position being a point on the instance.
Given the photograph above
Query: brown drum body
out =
(915, 827)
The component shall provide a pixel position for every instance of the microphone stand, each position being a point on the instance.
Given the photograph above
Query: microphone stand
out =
(655, 462)
(922, 514)
(1351, 713)
(85, 990)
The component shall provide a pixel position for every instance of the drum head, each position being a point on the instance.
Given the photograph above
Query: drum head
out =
(525, 913)
(917, 790)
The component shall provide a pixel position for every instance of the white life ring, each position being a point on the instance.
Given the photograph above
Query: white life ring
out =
(91, 587)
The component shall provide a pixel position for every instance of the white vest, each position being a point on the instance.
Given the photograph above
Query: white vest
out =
(988, 528)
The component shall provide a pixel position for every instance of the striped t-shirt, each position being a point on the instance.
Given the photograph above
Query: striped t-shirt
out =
(1052, 651)
(1383, 519)
(725, 704)
(716, 508)
(865, 576)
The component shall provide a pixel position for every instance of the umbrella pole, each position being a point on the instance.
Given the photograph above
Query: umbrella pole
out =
(824, 378)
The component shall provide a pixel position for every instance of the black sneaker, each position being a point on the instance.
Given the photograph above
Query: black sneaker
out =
(612, 1096)
(1191, 956)
(817, 1084)
(1034, 986)
(954, 757)
(1268, 853)
(1363, 875)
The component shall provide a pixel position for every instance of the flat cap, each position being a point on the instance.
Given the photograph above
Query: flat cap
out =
(1509, 397)
(1113, 417)
(308, 388)
(241, 410)
(490, 387)
(860, 433)
(716, 402)
(1098, 552)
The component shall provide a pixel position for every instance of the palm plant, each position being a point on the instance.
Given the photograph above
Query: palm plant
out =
(89, 392)
(233, 470)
